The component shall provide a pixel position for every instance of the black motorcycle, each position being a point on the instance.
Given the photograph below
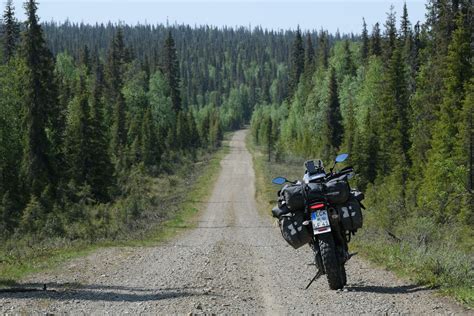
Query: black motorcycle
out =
(324, 212)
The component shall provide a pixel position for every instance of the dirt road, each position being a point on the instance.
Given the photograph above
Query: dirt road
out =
(235, 261)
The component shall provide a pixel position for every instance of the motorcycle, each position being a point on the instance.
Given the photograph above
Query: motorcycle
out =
(323, 211)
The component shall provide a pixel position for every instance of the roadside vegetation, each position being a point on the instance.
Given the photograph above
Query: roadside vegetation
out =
(442, 264)
(167, 205)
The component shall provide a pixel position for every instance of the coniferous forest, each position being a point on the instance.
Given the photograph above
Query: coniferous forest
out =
(89, 111)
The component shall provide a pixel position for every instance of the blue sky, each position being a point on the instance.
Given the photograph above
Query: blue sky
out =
(281, 14)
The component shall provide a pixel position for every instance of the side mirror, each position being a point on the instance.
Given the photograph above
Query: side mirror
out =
(341, 157)
(279, 180)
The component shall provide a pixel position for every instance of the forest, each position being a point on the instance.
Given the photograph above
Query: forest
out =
(400, 101)
(90, 111)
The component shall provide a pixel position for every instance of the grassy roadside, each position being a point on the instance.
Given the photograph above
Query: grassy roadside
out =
(421, 266)
(37, 258)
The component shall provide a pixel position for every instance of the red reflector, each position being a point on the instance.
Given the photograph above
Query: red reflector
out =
(322, 229)
(317, 206)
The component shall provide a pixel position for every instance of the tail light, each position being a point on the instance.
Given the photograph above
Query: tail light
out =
(317, 206)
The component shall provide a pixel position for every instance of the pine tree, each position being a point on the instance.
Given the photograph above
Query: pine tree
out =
(11, 31)
(364, 50)
(297, 63)
(172, 72)
(40, 102)
(376, 41)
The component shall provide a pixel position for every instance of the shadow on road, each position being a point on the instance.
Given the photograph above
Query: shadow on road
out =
(404, 289)
(95, 292)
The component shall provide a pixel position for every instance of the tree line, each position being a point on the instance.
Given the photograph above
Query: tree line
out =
(400, 101)
(90, 112)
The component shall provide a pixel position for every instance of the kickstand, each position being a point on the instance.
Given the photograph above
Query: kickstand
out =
(320, 273)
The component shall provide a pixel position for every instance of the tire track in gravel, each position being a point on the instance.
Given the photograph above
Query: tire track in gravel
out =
(234, 262)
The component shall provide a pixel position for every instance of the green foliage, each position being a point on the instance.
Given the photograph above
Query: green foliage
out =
(171, 72)
(297, 62)
(401, 105)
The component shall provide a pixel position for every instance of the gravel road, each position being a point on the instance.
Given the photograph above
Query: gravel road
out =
(234, 262)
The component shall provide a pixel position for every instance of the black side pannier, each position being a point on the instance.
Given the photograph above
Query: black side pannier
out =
(293, 195)
(351, 215)
(293, 231)
(337, 191)
(280, 210)
(359, 196)
(315, 191)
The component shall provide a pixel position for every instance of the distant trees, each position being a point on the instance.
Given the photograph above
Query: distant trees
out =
(172, 73)
(297, 62)
(11, 30)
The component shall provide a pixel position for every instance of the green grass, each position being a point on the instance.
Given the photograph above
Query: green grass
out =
(24, 257)
(440, 264)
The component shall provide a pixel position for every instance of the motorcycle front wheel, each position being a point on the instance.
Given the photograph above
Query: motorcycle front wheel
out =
(332, 267)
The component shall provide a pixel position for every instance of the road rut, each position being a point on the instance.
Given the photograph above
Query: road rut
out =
(234, 262)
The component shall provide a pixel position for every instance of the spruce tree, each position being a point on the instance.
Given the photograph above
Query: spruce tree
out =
(119, 125)
(172, 72)
(77, 140)
(40, 101)
(100, 174)
(323, 50)
(390, 34)
(297, 63)
(115, 114)
(85, 59)
(151, 151)
(447, 170)
(364, 50)
(405, 27)
(309, 55)
(333, 130)
(11, 30)
(376, 41)
(348, 67)
(393, 121)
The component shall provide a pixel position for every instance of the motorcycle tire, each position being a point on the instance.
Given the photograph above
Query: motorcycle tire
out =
(331, 264)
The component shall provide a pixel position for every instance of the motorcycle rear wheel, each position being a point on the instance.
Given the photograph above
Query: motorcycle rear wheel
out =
(332, 267)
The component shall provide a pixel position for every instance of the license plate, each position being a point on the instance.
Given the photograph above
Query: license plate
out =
(320, 220)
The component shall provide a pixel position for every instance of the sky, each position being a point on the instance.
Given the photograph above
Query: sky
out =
(281, 14)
